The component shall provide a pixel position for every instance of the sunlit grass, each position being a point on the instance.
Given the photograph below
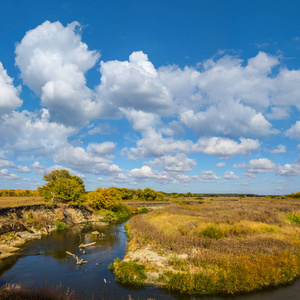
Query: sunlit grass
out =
(221, 246)
(19, 201)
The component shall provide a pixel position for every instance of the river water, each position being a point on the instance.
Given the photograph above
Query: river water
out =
(45, 261)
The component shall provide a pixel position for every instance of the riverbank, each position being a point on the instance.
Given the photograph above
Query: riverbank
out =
(19, 225)
(215, 247)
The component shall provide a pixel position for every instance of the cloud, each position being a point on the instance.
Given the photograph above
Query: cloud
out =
(53, 60)
(5, 175)
(9, 94)
(229, 118)
(105, 149)
(278, 113)
(27, 133)
(22, 169)
(88, 161)
(134, 84)
(259, 166)
(279, 149)
(40, 169)
(104, 129)
(144, 173)
(244, 183)
(229, 175)
(294, 131)
(221, 164)
(289, 170)
(286, 90)
(178, 163)
(142, 121)
(225, 147)
(208, 176)
(6, 163)
(154, 145)
(239, 166)
(249, 84)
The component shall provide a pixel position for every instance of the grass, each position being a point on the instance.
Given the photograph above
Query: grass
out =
(6, 202)
(143, 210)
(129, 273)
(294, 218)
(60, 225)
(17, 292)
(222, 246)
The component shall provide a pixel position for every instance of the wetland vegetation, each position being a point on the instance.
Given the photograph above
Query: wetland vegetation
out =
(220, 246)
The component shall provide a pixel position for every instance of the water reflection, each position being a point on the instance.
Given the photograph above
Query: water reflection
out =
(46, 260)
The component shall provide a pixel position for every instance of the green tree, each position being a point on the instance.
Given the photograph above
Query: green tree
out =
(62, 187)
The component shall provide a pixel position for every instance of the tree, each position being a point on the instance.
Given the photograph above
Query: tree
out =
(62, 187)
(103, 198)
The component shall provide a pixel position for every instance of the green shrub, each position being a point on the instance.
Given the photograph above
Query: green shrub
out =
(212, 232)
(143, 210)
(294, 218)
(129, 273)
(60, 225)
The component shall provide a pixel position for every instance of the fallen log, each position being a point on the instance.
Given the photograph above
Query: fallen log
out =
(87, 245)
(79, 261)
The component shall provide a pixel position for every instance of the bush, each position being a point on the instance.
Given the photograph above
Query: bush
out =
(129, 273)
(60, 225)
(103, 198)
(143, 210)
(212, 232)
(294, 218)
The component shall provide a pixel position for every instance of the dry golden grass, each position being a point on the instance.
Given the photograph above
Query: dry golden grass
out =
(6, 202)
(224, 245)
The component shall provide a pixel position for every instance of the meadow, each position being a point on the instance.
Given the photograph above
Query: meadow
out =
(6, 202)
(223, 245)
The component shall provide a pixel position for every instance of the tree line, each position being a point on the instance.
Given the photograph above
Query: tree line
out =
(18, 193)
(62, 187)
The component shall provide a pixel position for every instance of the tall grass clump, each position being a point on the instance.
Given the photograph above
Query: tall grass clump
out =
(294, 218)
(60, 225)
(129, 273)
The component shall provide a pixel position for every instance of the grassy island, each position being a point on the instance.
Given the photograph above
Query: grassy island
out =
(225, 246)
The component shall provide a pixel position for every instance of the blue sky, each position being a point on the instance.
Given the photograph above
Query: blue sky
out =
(200, 96)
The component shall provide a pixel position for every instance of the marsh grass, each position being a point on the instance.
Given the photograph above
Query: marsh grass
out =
(129, 273)
(222, 246)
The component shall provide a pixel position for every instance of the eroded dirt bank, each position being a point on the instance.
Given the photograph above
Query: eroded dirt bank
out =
(21, 224)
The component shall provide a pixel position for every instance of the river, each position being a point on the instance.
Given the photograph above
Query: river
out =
(45, 261)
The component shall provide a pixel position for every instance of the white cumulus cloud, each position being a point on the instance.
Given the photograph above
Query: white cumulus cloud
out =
(9, 94)
(294, 131)
(225, 147)
(53, 60)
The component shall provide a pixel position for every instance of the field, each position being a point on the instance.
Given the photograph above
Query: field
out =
(6, 202)
(223, 245)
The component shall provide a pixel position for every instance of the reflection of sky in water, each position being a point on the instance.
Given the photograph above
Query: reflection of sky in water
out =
(46, 261)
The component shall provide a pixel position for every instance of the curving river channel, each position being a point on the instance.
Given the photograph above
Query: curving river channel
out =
(46, 260)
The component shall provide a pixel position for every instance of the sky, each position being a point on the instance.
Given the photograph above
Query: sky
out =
(197, 96)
